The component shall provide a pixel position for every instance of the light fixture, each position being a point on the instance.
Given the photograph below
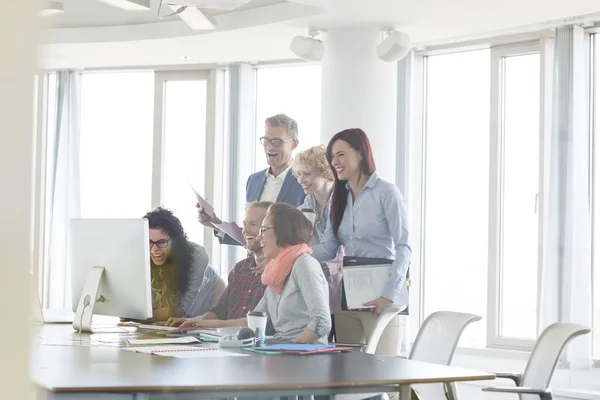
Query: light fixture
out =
(196, 19)
(129, 5)
(308, 48)
(51, 7)
(394, 47)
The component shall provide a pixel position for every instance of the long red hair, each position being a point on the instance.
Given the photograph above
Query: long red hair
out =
(358, 140)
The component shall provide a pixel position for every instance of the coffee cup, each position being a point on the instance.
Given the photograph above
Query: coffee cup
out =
(257, 321)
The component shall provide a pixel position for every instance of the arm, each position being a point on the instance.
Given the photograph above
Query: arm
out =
(313, 289)
(397, 222)
(195, 279)
(328, 246)
(220, 310)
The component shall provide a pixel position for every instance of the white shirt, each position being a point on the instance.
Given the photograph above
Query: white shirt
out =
(273, 185)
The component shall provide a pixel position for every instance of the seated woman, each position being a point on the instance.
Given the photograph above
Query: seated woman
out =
(296, 297)
(315, 177)
(183, 283)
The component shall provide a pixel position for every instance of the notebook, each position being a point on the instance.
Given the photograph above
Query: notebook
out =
(176, 340)
(184, 352)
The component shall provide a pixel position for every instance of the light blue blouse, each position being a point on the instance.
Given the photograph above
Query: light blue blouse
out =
(321, 220)
(374, 225)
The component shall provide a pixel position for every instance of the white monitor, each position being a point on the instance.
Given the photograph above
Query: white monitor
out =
(110, 269)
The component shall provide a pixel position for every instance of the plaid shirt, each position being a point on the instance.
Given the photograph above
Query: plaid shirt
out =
(244, 291)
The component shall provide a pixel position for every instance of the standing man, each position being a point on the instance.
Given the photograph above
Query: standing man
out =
(276, 183)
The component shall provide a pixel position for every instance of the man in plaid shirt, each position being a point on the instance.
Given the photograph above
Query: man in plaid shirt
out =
(244, 289)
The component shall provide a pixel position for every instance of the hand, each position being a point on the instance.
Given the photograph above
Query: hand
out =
(173, 321)
(325, 268)
(260, 267)
(380, 303)
(205, 219)
(194, 323)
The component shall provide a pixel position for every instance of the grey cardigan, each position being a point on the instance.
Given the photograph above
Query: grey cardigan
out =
(303, 303)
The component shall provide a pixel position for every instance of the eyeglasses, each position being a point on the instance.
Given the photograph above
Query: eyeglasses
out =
(161, 244)
(274, 142)
(263, 229)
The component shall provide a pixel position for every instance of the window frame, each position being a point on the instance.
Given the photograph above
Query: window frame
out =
(494, 290)
(541, 43)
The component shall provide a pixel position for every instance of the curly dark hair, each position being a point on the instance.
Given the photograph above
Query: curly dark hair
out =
(166, 221)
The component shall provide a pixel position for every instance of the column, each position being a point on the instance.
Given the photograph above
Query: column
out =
(18, 38)
(359, 91)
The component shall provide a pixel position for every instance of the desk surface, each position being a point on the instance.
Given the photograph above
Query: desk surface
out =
(83, 368)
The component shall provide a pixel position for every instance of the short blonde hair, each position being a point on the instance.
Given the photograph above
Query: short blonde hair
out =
(316, 158)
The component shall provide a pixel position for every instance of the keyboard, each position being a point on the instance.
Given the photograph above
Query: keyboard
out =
(155, 327)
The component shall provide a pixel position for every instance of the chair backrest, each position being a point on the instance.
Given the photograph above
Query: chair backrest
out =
(438, 336)
(435, 343)
(546, 352)
(382, 321)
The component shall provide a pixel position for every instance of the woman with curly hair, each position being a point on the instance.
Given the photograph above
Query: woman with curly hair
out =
(183, 283)
(315, 177)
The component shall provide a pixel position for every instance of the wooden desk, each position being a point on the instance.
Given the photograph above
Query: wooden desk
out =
(62, 370)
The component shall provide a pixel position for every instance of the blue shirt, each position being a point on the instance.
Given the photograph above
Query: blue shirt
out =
(321, 220)
(374, 225)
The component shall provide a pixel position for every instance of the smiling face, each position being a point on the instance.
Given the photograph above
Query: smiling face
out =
(281, 155)
(254, 217)
(346, 161)
(310, 180)
(160, 246)
(268, 239)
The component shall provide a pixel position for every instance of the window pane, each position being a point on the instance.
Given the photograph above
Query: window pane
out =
(596, 200)
(519, 230)
(185, 128)
(294, 91)
(117, 112)
(456, 187)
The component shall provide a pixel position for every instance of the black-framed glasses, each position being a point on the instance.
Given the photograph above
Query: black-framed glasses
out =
(161, 244)
(263, 229)
(274, 142)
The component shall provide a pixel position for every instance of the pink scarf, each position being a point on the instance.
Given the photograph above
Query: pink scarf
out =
(278, 269)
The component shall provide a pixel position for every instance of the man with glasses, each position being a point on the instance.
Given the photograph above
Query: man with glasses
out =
(276, 183)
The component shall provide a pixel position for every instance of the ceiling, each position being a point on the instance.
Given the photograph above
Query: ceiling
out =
(93, 34)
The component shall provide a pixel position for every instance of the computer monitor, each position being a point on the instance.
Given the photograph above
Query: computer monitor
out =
(110, 269)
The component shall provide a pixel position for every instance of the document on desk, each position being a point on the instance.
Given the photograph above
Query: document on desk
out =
(184, 351)
(363, 283)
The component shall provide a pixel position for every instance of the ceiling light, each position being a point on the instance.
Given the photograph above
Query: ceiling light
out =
(394, 47)
(196, 19)
(308, 48)
(129, 5)
(51, 7)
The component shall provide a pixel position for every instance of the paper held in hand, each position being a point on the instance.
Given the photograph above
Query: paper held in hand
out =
(206, 206)
(363, 283)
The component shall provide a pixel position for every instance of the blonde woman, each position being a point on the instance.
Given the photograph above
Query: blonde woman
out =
(315, 176)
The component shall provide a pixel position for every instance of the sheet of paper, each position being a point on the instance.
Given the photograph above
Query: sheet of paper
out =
(206, 206)
(364, 283)
(200, 354)
(233, 230)
(172, 340)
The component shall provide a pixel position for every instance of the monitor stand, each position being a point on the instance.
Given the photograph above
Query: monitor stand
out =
(82, 321)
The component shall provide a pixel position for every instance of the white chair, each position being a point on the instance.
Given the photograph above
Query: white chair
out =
(533, 383)
(382, 322)
(435, 343)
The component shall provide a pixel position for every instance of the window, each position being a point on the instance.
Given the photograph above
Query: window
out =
(518, 180)
(184, 149)
(456, 186)
(116, 144)
(596, 194)
(481, 181)
(294, 91)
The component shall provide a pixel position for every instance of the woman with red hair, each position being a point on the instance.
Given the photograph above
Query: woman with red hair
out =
(368, 217)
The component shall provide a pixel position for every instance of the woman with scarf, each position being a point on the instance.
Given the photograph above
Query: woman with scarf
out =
(296, 299)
